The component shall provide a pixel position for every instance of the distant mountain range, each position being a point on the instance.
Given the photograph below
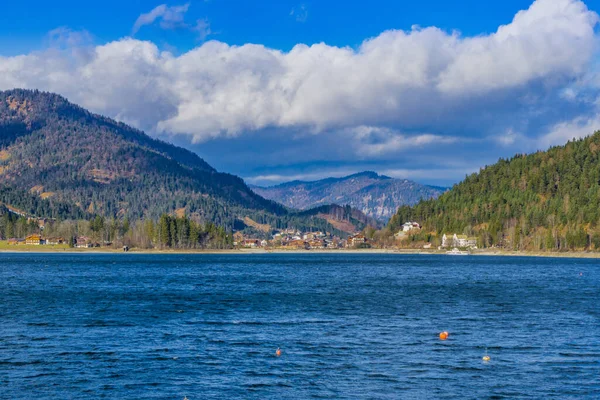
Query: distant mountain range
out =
(377, 196)
(58, 160)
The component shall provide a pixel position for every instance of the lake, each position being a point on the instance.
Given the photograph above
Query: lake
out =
(350, 326)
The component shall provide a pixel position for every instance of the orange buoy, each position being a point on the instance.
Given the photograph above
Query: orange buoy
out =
(444, 335)
(278, 352)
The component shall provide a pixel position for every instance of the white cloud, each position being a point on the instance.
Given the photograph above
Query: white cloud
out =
(373, 141)
(66, 38)
(169, 17)
(203, 29)
(272, 179)
(397, 82)
(300, 13)
(439, 174)
(553, 38)
(564, 131)
(509, 138)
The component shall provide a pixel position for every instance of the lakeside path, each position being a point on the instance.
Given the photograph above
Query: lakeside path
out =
(66, 249)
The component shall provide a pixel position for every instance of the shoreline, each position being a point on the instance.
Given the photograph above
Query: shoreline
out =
(486, 253)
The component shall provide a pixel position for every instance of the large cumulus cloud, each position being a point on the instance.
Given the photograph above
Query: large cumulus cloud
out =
(396, 90)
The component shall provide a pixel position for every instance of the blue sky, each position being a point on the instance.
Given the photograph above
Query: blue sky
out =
(429, 90)
(25, 25)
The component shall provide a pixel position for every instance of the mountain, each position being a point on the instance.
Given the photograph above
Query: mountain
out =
(62, 153)
(375, 195)
(543, 201)
(58, 160)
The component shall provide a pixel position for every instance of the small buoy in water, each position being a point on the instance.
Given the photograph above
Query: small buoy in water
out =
(486, 358)
(278, 352)
(444, 335)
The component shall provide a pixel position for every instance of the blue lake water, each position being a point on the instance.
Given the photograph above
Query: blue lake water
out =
(350, 326)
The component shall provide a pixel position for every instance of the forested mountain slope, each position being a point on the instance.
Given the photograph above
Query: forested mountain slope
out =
(546, 200)
(75, 162)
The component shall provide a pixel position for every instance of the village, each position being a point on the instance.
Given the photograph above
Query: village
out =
(292, 239)
(409, 236)
(288, 239)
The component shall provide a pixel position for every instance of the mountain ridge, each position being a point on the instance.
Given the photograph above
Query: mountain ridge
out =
(107, 167)
(377, 196)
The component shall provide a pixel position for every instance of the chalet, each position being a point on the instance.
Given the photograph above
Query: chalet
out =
(55, 241)
(316, 244)
(14, 241)
(313, 235)
(298, 244)
(357, 239)
(251, 243)
(84, 242)
(35, 239)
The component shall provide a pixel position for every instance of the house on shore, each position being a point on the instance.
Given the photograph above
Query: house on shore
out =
(84, 242)
(55, 241)
(357, 240)
(299, 244)
(317, 244)
(35, 239)
(251, 243)
(454, 240)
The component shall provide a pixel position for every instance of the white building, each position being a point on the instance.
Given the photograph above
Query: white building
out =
(409, 226)
(454, 240)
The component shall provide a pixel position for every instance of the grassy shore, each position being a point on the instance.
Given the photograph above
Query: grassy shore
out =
(6, 248)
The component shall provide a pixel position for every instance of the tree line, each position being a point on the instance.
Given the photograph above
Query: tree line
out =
(168, 232)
